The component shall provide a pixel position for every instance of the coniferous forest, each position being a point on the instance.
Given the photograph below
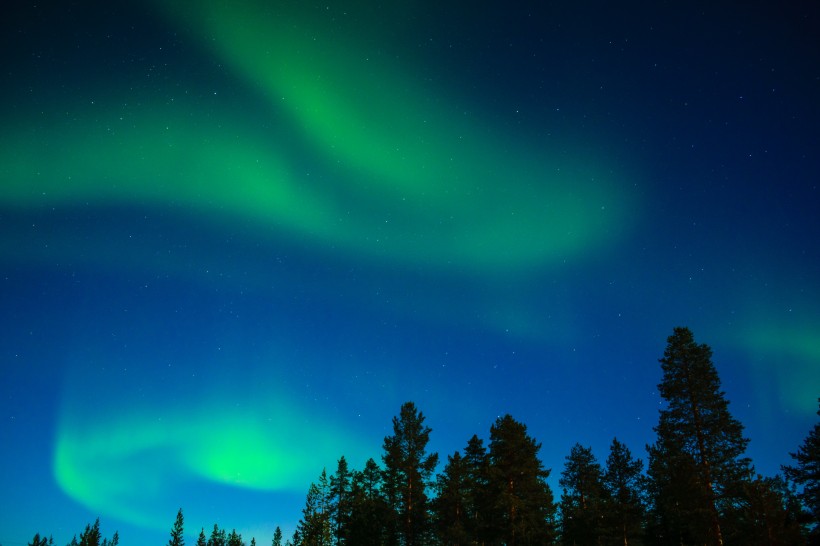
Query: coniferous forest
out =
(695, 487)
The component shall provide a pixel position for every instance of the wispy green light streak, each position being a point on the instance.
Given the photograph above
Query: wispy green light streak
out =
(124, 466)
(792, 354)
(401, 174)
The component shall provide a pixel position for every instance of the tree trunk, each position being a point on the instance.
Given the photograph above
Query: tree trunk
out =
(704, 462)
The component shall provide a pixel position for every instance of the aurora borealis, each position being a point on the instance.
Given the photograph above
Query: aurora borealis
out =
(238, 236)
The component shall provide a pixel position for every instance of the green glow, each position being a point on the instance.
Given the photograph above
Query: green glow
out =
(400, 172)
(476, 195)
(158, 157)
(792, 353)
(123, 466)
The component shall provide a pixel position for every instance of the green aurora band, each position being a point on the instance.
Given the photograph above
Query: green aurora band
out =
(127, 464)
(402, 174)
(789, 355)
(396, 177)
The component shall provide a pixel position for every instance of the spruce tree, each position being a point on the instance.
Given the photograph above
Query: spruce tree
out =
(368, 508)
(450, 505)
(340, 500)
(235, 539)
(583, 501)
(217, 537)
(91, 536)
(696, 466)
(38, 541)
(177, 536)
(407, 476)
(523, 509)
(624, 484)
(325, 510)
(277, 537)
(477, 464)
(202, 541)
(768, 516)
(314, 526)
(806, 474)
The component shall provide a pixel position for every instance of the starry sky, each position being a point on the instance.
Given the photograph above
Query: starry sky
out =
(236, 237)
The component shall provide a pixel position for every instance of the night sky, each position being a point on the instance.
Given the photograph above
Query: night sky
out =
(234, 239)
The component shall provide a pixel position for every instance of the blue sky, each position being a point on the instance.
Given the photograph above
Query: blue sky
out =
(236, 240)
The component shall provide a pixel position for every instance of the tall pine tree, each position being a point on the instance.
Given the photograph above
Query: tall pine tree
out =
(450, 505)
(583, 502)
(340, 500)
(624, 484)
(696, 466)
(408, 471)
(314, 528)
(478, 509)
(368, 508)
(521, 501)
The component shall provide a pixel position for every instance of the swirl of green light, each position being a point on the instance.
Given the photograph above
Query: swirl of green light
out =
(125, 465)
(453, 189)
(406, 176)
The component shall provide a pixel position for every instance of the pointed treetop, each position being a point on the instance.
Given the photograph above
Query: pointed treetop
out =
(177, 532)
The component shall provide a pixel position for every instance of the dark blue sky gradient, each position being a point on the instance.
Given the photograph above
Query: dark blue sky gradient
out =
(133, 320)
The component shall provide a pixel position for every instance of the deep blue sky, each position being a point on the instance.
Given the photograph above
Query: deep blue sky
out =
(235, 240)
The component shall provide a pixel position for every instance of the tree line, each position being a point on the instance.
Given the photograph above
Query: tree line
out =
(698, 487)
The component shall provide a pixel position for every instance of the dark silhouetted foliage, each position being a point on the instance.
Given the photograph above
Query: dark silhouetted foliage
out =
(177, 532)
(696, 466)
(583, 502)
